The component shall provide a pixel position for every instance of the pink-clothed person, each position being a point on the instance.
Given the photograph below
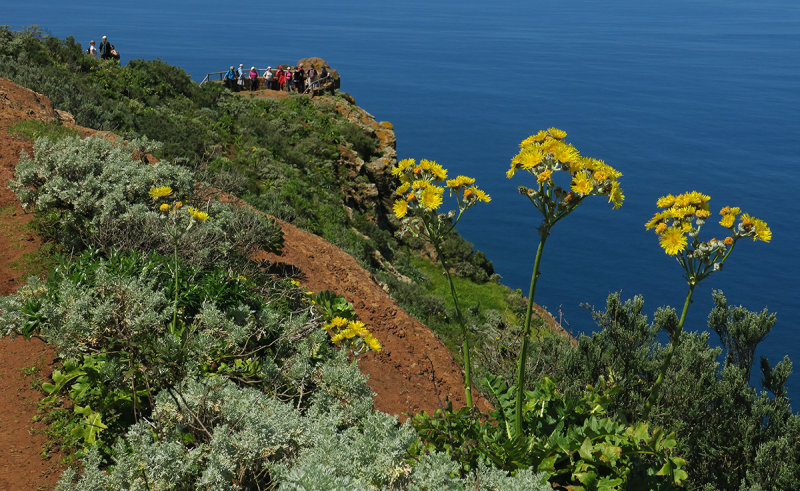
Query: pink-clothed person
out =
(253, 78)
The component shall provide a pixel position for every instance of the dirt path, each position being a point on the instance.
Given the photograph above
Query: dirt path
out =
(414, 371)
(22, 362)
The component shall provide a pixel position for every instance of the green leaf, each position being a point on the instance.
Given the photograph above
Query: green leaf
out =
(586, 450)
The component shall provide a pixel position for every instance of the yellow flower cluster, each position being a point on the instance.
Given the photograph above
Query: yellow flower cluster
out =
(341, 329)
(421, 188)
(683, 215)
(545, 153)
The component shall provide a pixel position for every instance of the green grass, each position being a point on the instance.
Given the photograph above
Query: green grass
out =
(32, 130)
(489, 295)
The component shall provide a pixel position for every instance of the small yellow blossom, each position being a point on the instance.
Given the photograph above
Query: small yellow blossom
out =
(557, 133)
(544, 176)
(431, 197)
(164, 207)
(581, 184)
(728, 220)
(763, 231)
(400, 208)
(198, 215)
(666, 201)
(673, 241)
(615, 196)
(479, 195)
(160, 192)
(460, 182)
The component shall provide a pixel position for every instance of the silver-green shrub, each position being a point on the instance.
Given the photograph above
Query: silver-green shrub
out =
(94, 193)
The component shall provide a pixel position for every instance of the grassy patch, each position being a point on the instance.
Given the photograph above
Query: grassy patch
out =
(31, 130)
(474, 297)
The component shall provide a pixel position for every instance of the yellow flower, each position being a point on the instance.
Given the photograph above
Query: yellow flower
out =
(544, 176)
(439, 173)
(564, 152)
(372, 343)
(728, 220)
(728, 241)
(616, 196)
(478, 194)
(164, 207)
(666, 201)
(763, 231)
(432, 197)
(657, 218)
(530, 157)
(459, 182)
(702, 214)
(661, 228)
(178, 205)
(337, 322)
(510, 172)
(540, 136)
(673, 241)
(160, 192)
(198, 215)
(581, 184)
(403, 189)
(400, 208)
(557, 133)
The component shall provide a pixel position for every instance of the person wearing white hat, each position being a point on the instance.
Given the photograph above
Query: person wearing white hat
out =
(253, 78)
(269, 78)
(242, 75)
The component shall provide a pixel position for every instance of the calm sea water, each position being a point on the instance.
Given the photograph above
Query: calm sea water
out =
(679, 95)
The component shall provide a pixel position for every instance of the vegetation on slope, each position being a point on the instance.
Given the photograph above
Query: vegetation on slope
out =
(188, 367)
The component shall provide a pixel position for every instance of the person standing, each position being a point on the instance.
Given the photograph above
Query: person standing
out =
(105, 48)
(288, 73)
(269, 78)
(281, 77)
(92, 50)
(299, 79)
(253, 79)
(230, 78)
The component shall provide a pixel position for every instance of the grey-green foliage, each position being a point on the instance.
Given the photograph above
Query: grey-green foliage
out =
(94, 193)
(208, 433)
(725, 428)
(739, 331)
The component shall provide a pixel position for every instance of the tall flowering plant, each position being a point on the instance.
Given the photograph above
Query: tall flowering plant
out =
(420, 195)
(678, 226)
(176, 224)
(563, 180)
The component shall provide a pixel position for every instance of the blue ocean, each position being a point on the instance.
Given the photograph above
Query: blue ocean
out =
(682, 95)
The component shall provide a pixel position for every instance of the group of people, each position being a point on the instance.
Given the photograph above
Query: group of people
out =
(107, 51)
(286, 78)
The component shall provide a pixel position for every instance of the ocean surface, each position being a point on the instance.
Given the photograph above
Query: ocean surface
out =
(682, 95)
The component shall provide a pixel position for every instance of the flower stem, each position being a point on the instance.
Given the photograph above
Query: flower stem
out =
(175, 304)
(523, 354)
(675, 339)
(465, 343)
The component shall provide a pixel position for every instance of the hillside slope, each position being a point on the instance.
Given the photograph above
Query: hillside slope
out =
(414, 372)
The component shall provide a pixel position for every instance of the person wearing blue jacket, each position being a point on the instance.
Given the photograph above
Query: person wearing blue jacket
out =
(230, 79)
